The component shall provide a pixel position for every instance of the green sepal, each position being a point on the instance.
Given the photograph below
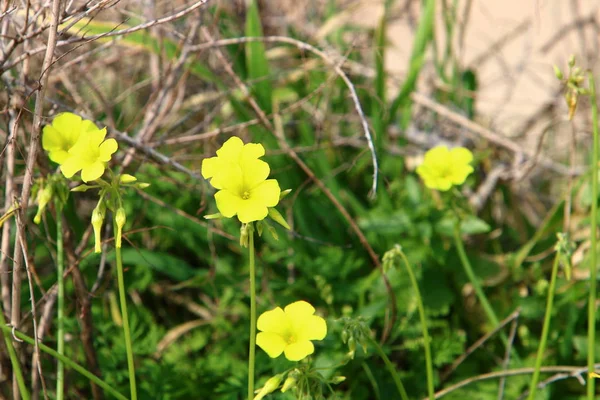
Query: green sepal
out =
(277, 217)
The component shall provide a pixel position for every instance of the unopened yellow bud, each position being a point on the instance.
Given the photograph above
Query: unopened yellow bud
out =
(338, 379)
(126, 178)
(43, 198)
(120, 219)
(97, 219)
(270, 386)
(289, 383)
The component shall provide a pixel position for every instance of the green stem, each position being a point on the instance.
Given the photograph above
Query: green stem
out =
(126, 332)
(7, 330)
(546, 327)
(428, 359)
(60, 266)
(13, 356)
(593, 264)
(252, 349)
(391, 369)
(489, 311)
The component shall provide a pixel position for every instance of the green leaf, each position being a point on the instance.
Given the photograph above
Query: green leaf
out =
(256, 59)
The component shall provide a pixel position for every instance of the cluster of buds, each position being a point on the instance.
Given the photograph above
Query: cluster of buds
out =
(355, 331)
(304, 381)
(574, 85)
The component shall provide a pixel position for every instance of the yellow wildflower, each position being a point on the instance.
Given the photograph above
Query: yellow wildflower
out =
(59, 137)
(290, 331)
(89, 155)
(443, 168)
(241, 178)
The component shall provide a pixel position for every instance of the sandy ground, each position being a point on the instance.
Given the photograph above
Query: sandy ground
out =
(511, 45)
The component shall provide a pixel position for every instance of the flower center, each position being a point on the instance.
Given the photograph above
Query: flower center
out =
(246, 195)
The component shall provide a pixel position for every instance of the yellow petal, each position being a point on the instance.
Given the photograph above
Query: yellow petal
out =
(252, 209)
(461, 155)
(107, 149)
(255, 172)
(299, 350)
(230, 176)
(68, 124)
(436, 155)
(299, 309)
(231, 149)
(96, 137)
(275, 321)
(460, 174)
(228, 203)
(50, 138)
(312, 327)
(209, 167)
(71, 166)
(251, 151)
(92, 172)
(88, 126)
(271, 343)
(268, 191)
(58, 156)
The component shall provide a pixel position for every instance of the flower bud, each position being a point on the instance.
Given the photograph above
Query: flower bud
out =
(43, 198)
(120, 219)
(97, 219)
(126, 178)
(338, 379)
(558, 72)
(81, 188)
(270, 386)
(289, 383)
(142, 185)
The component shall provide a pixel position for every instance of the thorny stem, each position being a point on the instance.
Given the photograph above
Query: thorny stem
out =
(252, 349)
(126, 331)
(546, 327)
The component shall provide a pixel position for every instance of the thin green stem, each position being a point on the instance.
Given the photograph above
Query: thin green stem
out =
(546, 327)
(13, 356)
(593, 239)
(60, 266)
(126, 332)
(7, 330)
(391, 369)
(252, 350)
(428, 359)
(460, 247)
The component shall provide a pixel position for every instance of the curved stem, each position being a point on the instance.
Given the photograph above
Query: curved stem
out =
(391, 369)
(13, 356)
(546, 327)
(593, 239)
(428, 359)
(60, 266)
(252, 349)
(126, 332)
(7, 330)
(489, 311)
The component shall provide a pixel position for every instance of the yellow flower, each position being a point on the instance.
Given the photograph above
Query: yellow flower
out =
(89, 155)
(443, 168)
(61, 136)
(241, 177)
(290, 331)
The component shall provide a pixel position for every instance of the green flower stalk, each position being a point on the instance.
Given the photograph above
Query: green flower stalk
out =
(98, 215)
(545, 329)
(60, 266)
(243, 190)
